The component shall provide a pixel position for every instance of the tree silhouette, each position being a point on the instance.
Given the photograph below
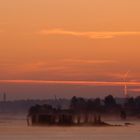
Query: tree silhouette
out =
(110, 101)
(137, 102)
(130, 103)
(74, 103)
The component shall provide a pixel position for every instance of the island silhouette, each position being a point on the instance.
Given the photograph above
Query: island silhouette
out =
(82, 112)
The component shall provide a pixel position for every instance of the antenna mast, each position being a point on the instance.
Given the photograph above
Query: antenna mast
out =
(125, 82)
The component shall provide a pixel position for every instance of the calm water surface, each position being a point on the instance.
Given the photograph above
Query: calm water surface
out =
(18, 130)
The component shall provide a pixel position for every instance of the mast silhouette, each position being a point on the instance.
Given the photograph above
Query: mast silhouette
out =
(125, 84)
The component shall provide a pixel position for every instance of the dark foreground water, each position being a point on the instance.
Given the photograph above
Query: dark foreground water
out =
(18, 130)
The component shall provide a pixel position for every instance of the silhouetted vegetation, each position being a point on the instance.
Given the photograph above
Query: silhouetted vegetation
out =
(85, 111)
(119, 107)
(107, 106)
(47, 115)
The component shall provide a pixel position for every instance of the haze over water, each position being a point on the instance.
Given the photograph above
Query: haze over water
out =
(18, 130)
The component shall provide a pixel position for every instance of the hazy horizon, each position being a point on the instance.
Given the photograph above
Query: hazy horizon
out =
(46, 91)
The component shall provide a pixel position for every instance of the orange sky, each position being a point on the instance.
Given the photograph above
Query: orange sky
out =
(70, 40)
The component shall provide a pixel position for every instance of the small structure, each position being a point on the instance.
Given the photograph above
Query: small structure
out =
(47, 115)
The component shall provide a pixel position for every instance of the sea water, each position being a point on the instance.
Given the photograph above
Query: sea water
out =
(18, 130)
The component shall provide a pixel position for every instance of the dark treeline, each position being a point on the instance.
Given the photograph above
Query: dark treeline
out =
(107, 106)
(110, 105)
(84, 111)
